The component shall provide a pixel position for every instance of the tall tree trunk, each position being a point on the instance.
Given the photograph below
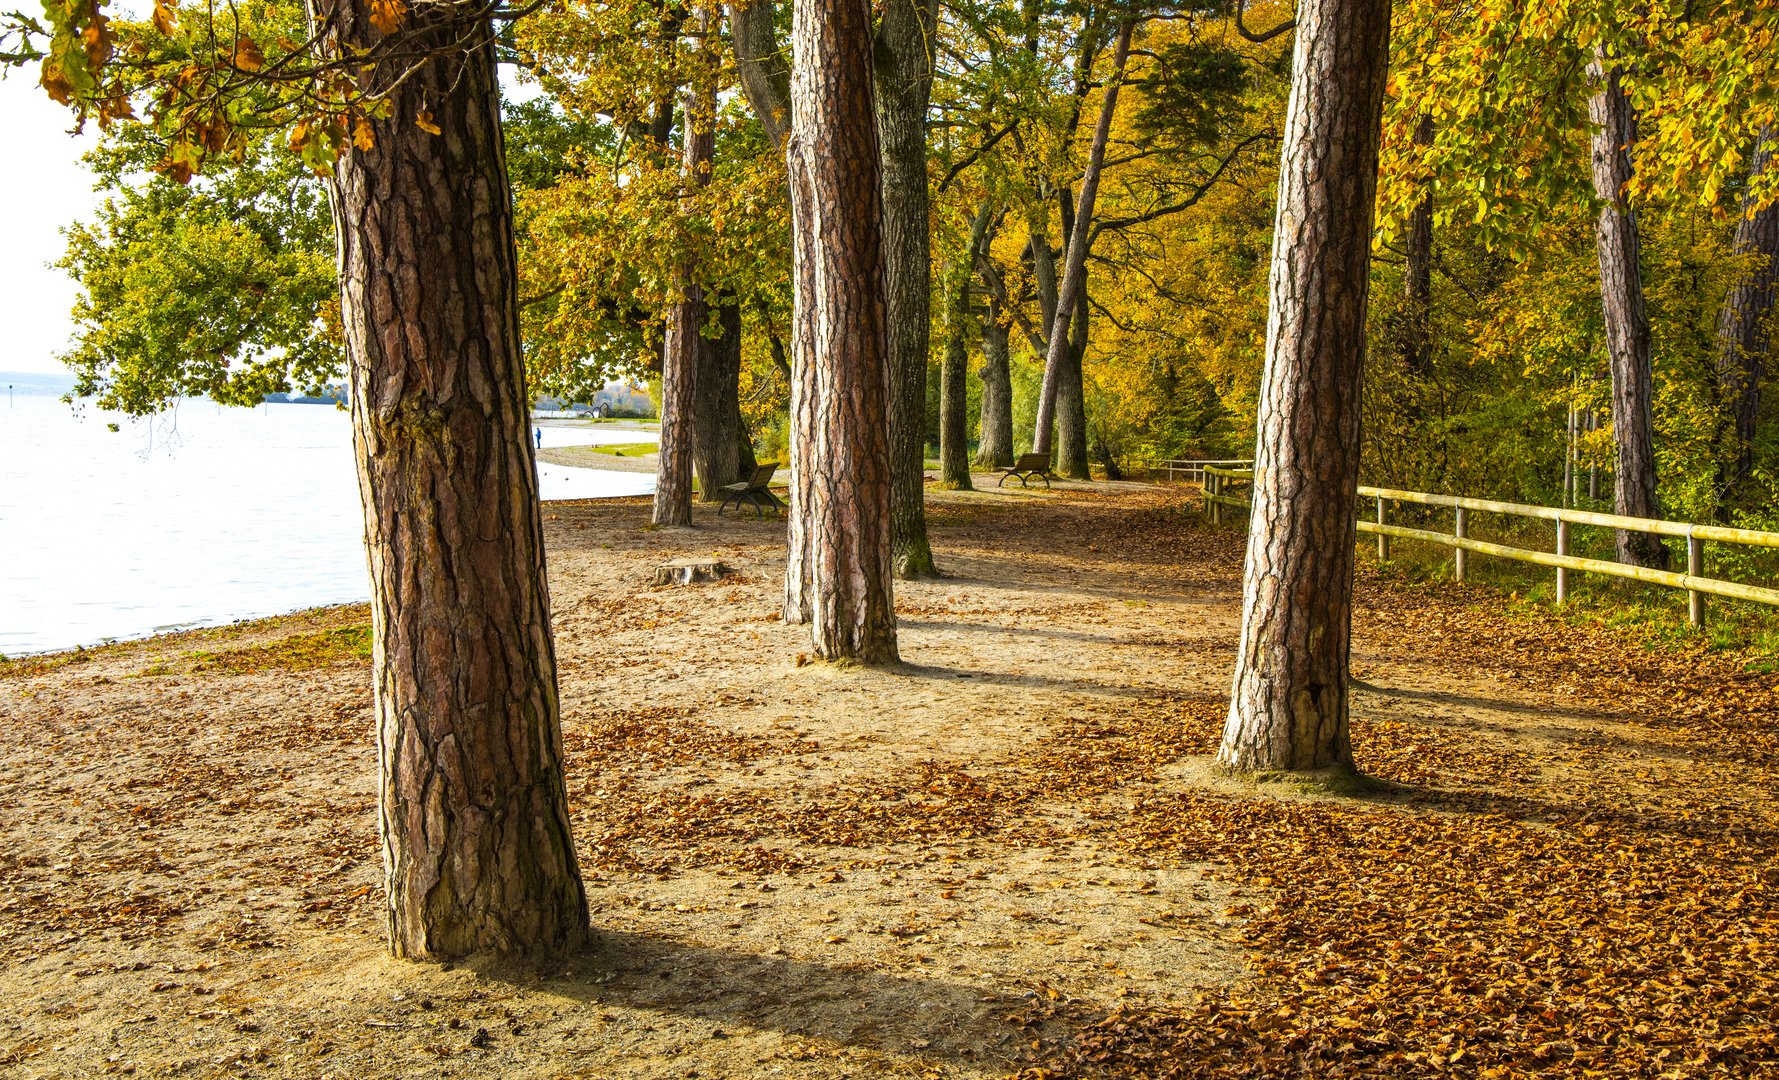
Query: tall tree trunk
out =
(954, 417)
(838, 574)
(1744, 328)
(471, 803)
(995, 427)
(1074, 274)
(687, 351)
(1071, 398)
(1417, 279)
(1288, 708)
(717, 438)
(1627, 322)
(904, 70)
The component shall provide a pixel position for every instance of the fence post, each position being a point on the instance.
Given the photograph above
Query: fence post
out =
(1383, 542)
(1562, 572)
(1460, 557)
(1213, 487)
(1695, 567)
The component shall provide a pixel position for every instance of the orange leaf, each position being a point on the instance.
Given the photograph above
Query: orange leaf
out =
(386, 15)
(248, 56)
(424, 123)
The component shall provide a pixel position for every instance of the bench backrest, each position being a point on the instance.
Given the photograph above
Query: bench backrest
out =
(1033, 463)
(762, 475)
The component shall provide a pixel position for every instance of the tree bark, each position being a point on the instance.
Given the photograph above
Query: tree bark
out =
(1074, 275)
(1417, 279)
(1627, 321)
(954, 419)
(904, 71)
(1744, 328)
(472, 809)
(995, 427)
(687, 351)
(838, 575)
(1071, 397)
(1288, 707)
(765, 78)
(721, 453)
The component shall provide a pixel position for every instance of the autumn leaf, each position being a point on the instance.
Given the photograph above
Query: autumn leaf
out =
(387, 15)
(248, 55)
(424, 122)
(164, 19)
(362, 136)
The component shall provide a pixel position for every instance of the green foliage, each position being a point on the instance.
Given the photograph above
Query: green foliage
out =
(223, 287)
(1194, 96)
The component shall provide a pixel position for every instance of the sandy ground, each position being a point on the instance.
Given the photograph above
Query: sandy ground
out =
(1007, 854)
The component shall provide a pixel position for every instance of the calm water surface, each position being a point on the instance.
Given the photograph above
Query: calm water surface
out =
(202, 516)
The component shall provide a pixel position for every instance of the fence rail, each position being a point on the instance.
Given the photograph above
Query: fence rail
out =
(1697, 586)
(1191, 471)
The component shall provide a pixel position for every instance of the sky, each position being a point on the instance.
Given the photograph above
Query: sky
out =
(44, 187)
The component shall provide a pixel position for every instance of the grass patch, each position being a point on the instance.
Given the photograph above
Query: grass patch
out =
(1653, 616)
(297, 652)
(638, 449)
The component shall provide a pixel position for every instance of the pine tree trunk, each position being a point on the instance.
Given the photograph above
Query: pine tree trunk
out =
(994, 448)
(681, 358)
(717, 436)
(1074, 272)
(1744, 328)
(904, 71)
(838, 574)
(1417, 279)
(687, 351)
(471, 803)
(1627, 322)
(1288, 708)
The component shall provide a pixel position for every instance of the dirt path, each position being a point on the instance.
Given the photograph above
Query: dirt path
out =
(1006, 855)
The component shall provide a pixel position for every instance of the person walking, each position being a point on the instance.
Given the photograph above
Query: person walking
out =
(538, 434)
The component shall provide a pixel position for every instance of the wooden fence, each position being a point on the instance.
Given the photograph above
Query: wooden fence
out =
(1218, 499)
(1192, 471)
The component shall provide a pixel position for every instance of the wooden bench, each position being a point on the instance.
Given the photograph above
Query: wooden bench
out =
(753, 491)
(1026, 468)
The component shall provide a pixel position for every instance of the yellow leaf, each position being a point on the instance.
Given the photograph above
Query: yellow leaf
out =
(363, 138)
(424, 123)
(164, 19)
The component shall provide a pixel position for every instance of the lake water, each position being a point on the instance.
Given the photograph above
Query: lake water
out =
(201, 516)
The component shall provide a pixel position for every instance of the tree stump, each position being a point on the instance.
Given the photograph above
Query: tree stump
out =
(689, 571)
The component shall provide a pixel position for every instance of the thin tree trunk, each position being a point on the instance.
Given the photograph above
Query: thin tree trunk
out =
(1744, 328)
(1288, 707)
(838, 574)
(1627, 322)
(954, 419)
(1071, 398)
(765, 77)
(1074, 275)
(471, 804)
(1417, 280)
(904, 71)
(717, 438)
(687, 351)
